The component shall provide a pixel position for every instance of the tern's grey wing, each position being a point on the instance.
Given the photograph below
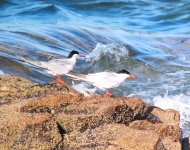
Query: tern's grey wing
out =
(61, 66)
(61, 62)
(38, 64)
(58, 60)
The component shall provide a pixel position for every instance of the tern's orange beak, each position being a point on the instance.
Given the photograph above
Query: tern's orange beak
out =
(81, 55)
(132, 76)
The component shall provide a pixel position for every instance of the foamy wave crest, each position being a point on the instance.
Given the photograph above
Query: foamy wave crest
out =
(84, 88)
(116, 51)
(1, 72)
(180, 103)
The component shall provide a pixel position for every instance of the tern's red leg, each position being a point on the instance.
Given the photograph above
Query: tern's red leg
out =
(59, 80)
(108, 93)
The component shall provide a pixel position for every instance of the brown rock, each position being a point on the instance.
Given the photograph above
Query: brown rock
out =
(29, 132)
(170, 145)
(164, 130)
(113, 137)
(168, 116)
(14, 89)
(140, 108)
(169, 134)
(52, 116)
(97, 110)
(56, 102)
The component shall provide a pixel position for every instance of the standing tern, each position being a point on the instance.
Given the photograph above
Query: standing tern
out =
(57, 67)
(104, 80)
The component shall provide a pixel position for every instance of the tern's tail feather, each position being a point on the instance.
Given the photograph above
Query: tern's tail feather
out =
(37, 64)
(76, 76)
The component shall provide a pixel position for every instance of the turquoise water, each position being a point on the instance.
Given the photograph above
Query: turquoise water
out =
(149, 38)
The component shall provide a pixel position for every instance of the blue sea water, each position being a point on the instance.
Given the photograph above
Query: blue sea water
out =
(150, 38)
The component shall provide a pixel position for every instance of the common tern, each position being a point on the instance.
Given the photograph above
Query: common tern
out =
(104, 80)
(57, 67)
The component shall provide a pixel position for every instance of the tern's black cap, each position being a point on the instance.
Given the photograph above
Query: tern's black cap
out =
(123, 71)
(72, 53)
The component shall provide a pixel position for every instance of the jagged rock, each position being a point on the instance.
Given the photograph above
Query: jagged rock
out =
(28, 131)
(55, 102)
(113, 137)
(51, 116)
(168, 116)
(97, 110)
(171, 133)
(14, 89)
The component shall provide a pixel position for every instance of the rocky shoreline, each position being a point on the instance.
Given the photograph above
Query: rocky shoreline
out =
(51, 116)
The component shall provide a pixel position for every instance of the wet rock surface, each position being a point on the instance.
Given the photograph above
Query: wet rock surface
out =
(53, 116)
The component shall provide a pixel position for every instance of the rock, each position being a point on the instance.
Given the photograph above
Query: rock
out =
(113, 137)
(52, 116)
(14, 89)
(168, 116)
(56, 102)
(29, 132)
(171, 133)
(97, 110)
(164, 130)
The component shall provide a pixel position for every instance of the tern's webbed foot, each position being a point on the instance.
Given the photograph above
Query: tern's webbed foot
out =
(108, 93)
(58, 80)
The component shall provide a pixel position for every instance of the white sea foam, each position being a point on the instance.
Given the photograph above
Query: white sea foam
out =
(84, 88)
(1, 72)
(180, 103)
(117, 51)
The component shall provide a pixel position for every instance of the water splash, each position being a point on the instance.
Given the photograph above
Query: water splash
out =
(116, 51)
(84, 88)
(1, 72)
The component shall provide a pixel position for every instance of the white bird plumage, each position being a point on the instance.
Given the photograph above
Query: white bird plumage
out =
(58, 67)
(103, 80)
